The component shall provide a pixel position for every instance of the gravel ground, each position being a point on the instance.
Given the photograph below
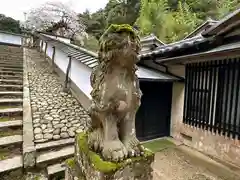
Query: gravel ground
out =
(172, 164)
(56, 115)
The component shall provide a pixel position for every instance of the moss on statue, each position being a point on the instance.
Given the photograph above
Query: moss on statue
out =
(106, 166)
(116, 28)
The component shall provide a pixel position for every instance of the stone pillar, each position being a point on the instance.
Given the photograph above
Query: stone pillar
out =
(88, 165)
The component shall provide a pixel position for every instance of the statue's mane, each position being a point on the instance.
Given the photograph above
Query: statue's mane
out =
(111, 46)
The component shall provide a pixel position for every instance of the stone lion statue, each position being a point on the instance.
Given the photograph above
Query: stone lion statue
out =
(116, 95)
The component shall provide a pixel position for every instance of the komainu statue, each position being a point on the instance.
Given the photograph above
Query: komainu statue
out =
(116, 95)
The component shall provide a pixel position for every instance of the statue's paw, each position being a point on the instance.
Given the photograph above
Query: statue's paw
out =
(133, 146)
(95, 140)
(114, 151)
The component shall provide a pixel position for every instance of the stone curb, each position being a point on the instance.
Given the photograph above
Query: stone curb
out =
(29, 150)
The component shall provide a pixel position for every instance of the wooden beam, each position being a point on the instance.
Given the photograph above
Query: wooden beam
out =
(53, 56)
(45, 51)
(66, 88)
(41, 46)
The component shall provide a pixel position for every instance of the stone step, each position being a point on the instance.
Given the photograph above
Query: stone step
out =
(10, 60)
(10, 72)
(54, 144)
(11, 81)
(11, 164)
(5, 100)
(5, 76)
(8, 140)
(10, 110)
(11, 93)
(7, 124)
(10, 87)
(11, 69)
(8, 65)
(56, 168)
(55, 155)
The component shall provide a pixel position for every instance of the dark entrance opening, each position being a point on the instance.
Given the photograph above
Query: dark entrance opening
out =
(153, 116)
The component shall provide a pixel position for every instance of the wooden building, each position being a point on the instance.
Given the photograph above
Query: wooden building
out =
(205, 111)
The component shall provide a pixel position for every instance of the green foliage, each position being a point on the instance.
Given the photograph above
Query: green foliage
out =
(91, 43)
(172, 20)
(9, 24)
(123, 11)
(226, 6)
(95, 23)
(168, 26)
(169, 20)
(115, 12)
(159, 145)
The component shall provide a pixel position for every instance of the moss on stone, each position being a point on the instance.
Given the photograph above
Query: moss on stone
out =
(119, 28)
(37, 178)
(4, 155)
(10, 132)
(106, 166)
(70, 162)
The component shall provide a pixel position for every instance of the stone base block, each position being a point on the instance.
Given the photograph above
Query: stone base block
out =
(88, 165)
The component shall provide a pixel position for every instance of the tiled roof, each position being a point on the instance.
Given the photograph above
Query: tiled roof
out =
(151, 39)
(203, 27)
(51, 34)
(175, 46)
(231, 18)
(86, 57)
(90, 59)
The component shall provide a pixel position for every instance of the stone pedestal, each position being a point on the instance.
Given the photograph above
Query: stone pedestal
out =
(88, 165)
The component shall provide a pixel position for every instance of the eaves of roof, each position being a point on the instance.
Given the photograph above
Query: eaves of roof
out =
(50, 34)
(186, 43)
(90, 59)
(227, 22)
(223, 50)
(201, 28)
(151, 39)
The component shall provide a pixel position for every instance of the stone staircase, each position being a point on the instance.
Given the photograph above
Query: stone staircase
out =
(51, 156)
(11, 110)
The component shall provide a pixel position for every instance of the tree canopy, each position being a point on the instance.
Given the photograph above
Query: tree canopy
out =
(169, 20)
(9, 24)
(52, 16)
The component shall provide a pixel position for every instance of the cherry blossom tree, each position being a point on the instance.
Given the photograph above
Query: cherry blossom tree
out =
(56, 15)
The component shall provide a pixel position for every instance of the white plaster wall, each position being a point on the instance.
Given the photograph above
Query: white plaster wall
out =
(11, 39)
(177, 108)
(61, 60)
(49, 50)
(79, 73)
(43, 47)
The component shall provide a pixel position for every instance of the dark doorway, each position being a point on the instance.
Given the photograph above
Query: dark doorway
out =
(153, 116)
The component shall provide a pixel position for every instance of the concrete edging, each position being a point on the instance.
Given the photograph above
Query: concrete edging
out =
(29, 150)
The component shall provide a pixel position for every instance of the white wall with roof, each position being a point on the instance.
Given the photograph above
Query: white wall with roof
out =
(10, 38)
(79, 73)
(66, 40)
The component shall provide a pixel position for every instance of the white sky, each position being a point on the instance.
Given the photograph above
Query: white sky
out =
(16, 8)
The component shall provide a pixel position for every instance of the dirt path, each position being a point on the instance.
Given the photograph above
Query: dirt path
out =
(172, 164)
